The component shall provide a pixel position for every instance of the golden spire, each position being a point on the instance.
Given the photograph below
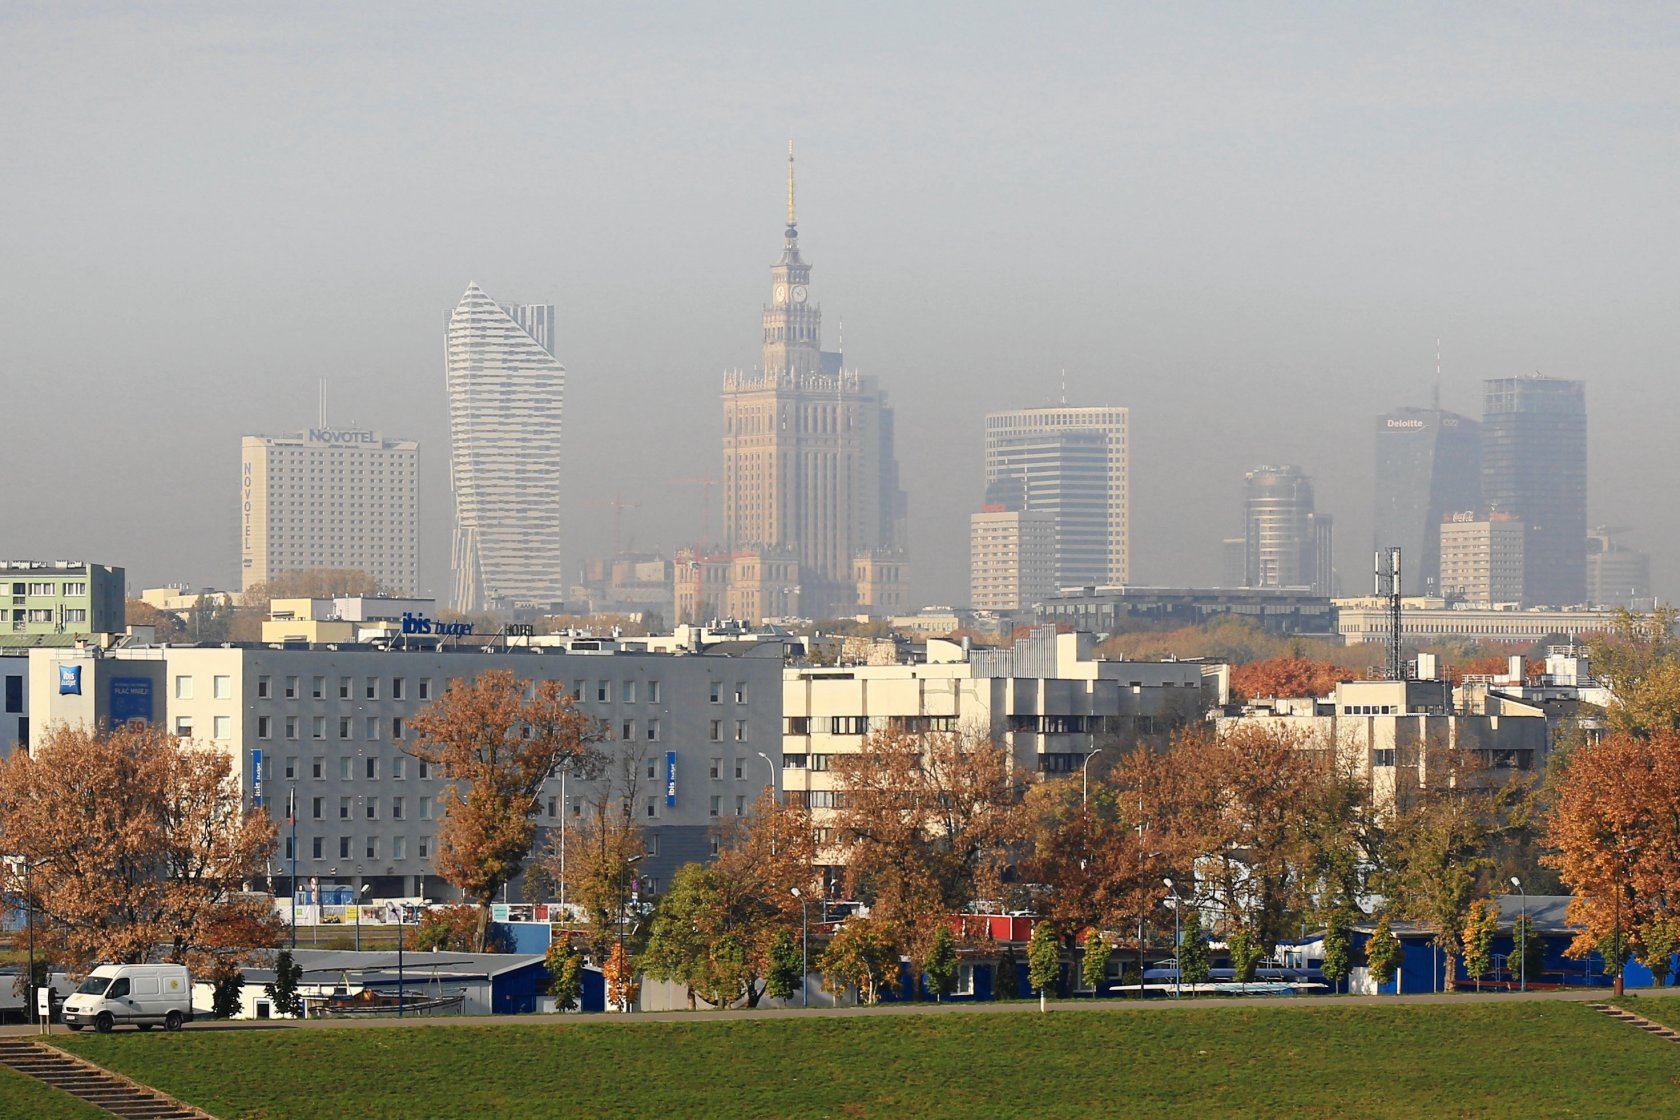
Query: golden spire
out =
(790, 183)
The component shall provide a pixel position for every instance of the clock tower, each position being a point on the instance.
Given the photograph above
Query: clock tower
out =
(792, 324)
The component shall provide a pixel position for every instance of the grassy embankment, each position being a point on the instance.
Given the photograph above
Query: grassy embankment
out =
(1527, 1060)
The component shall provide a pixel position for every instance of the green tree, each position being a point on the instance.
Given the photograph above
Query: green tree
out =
(1479, 931)
(1383, 952)
(1093, 969)
(1338, 948)
(861, 954)
(1193, 964)
(1639, 661)
(699, 937)
(787, 967)
(1245, 954)
(565, 970)
(941, 965)
(227, 985)
(1044, 960)
(1528, 951)
(288, 1003)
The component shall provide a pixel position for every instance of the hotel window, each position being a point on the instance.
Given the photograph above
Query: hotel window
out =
(373, 847)
(425, 808)
(653, 807)
(316, 843)
(629, 691)
(399, 847)
(221, 727)
(740, 731)
(425, 770)
(740, 769)
(344, 688)
(717, 768)
(717, 692)
(425, 847)
(653, 730)
(263, 688)
(318, 727)
(372, 727)
(344, 847)
(318, 688)
(717, 803)
(221, 687)
(603, 691)
(740, 692)
(318, 767)
(184, 726)
(717, 731)
(344, 808)
(291, 727)
(373, 688)
(317, 807)
(344, 728)
(372, 807)
(425, 688)
(372, 769)
(740, 805)
(396, 727)
(291, 688)
(653, 692)
(346, 769)
(399, 768)
(265, 727)
(183, 688)
(627, 730)
(397, 688)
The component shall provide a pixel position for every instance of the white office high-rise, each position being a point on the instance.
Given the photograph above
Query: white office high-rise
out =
(505, 391)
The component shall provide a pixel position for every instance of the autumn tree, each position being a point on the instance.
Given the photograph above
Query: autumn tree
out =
(1615, 829)
(1289, 676)
(311, 583)
(1447, 815)
(1090, 850)
(451, 929)
(1639, 661)
(495, 741)
(1093, 967)
(166, 626)
(134, 840)
(1479, 931)
(926, 824)
(599, 847)
(1383, 952)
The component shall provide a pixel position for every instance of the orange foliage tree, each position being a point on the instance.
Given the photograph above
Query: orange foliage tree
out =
(926, 823)
(1290, 676)
(496, 741)
(1616, 830)
(134, 840)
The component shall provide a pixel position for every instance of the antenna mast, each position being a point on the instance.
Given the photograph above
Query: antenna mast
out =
(790, 183)
(1388, 587)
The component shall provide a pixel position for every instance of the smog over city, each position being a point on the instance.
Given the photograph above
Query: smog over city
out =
(1258, 227)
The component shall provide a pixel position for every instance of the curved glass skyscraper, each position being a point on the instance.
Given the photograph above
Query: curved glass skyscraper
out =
(505, 389)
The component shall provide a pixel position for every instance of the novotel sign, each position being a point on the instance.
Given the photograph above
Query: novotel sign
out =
(420, 624)
(341, 436)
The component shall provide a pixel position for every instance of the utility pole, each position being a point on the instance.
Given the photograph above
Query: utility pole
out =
(1388, 586)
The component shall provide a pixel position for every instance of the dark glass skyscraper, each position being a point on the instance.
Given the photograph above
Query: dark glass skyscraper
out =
(1534, 465)
(1428, 465)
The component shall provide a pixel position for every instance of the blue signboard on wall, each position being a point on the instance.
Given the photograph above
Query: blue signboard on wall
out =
(670, 778)
(69, 680)
(256, 779)
(131, 700)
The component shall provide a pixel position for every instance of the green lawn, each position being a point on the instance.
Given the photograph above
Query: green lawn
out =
(21, 1096)
(1527, 1060)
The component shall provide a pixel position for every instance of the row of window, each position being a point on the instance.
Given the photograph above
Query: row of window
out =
(317, 688)
(48, 587)
(371, 766)
(371, 806)
(371, 848)
(318, 726)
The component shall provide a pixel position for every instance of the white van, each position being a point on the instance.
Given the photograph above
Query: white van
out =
(143, 995)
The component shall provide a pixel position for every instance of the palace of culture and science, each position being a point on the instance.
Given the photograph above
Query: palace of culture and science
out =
(814, 518)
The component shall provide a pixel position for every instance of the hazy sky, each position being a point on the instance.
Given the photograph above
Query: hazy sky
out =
(1248, 223)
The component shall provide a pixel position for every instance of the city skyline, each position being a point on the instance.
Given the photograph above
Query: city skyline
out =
(1252, 250)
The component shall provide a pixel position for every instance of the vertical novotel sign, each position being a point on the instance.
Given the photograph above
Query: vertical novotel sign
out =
(670, 779)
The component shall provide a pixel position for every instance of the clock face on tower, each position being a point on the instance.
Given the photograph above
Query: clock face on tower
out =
(799, 293)
(781, 293)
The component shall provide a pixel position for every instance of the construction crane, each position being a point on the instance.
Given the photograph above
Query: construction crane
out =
(706, 485)
(618, 506)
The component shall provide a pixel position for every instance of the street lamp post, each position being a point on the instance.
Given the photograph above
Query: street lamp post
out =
(565, 808)
(772, 767)
(804, 947)
(360, 896)
(1084, 777)
(400, 978)
(623, 919)
(1178, 945)
(1522, 934)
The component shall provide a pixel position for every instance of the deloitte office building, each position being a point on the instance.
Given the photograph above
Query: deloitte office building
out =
(689, 739)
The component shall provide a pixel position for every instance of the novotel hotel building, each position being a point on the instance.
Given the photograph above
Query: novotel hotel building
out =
(330, 498)
(688, 739)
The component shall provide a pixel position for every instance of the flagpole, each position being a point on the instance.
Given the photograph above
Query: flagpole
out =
(291, 816)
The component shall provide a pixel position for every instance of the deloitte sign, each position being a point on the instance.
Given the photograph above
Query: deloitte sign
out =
(420, 624)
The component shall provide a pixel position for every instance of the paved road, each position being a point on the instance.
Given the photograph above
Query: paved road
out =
(1117, 1006)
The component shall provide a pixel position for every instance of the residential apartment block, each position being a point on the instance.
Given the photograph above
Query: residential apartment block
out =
(61, 597)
